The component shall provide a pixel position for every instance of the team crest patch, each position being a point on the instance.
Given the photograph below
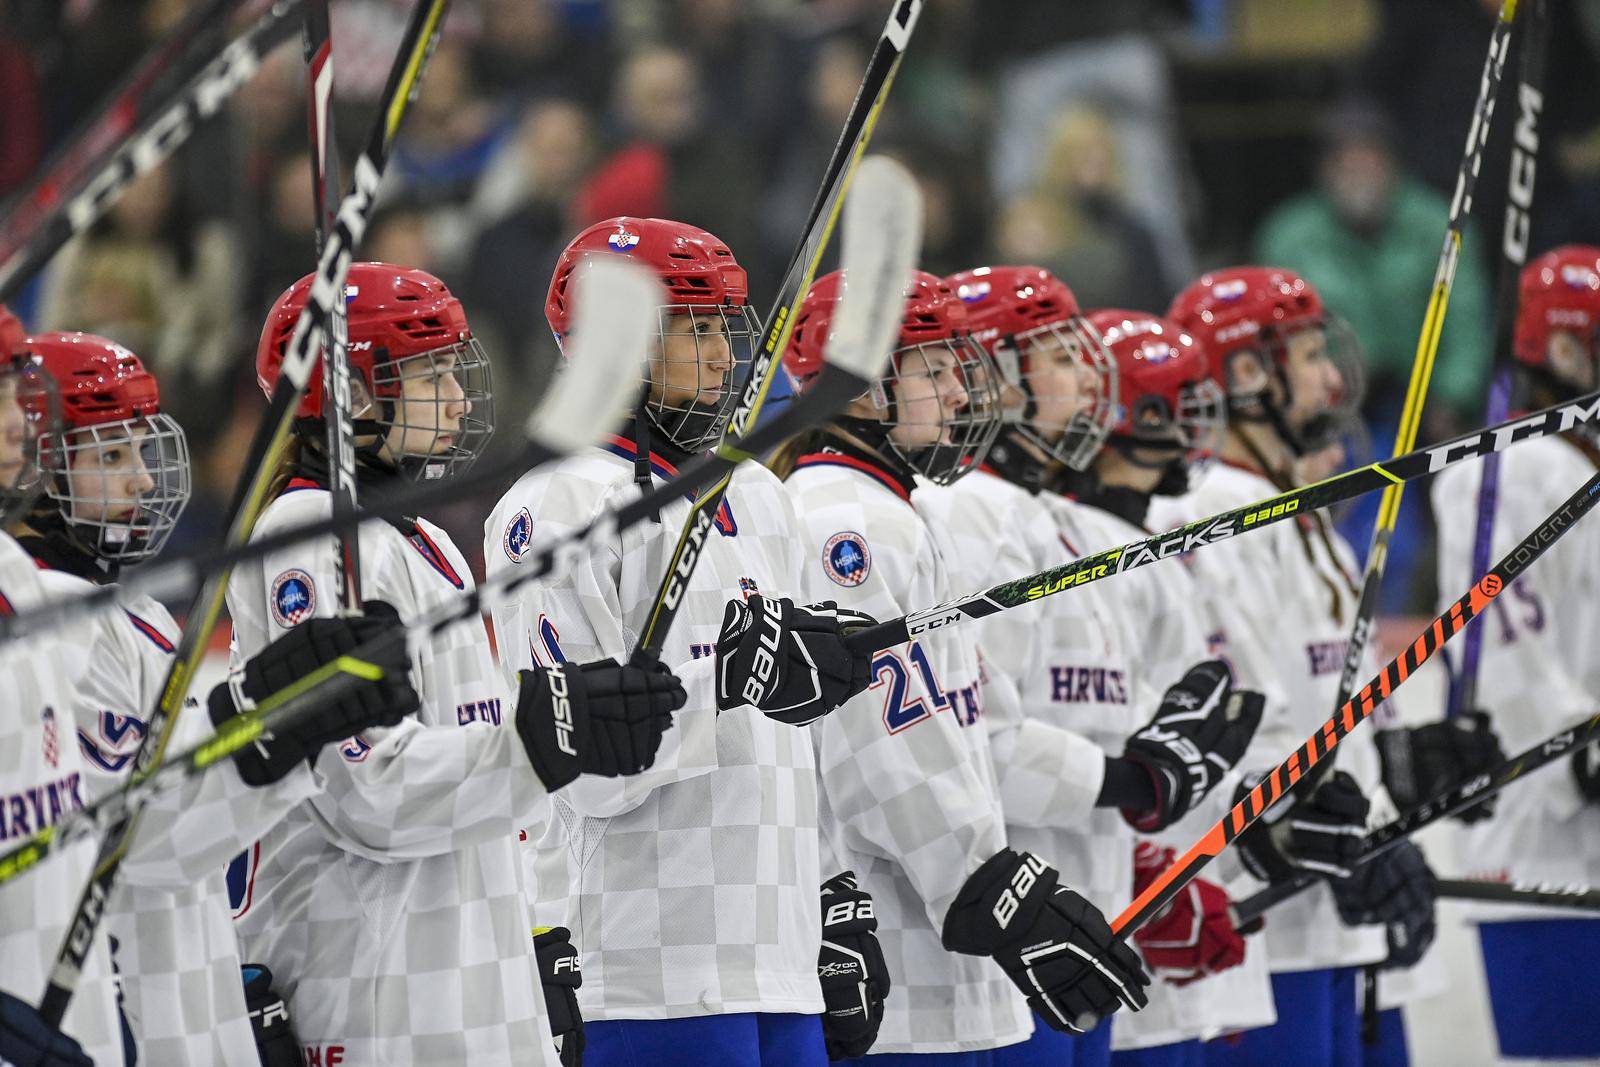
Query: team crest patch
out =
(846, 559)
(623, 240)
(518, 536)
(293, 599)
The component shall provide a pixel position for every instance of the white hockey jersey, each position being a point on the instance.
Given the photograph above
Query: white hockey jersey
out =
(693, 888)
(176, 953)
(41, 779)
(1539, 672)
(391, 907)
(1295, 585)
(910, 800)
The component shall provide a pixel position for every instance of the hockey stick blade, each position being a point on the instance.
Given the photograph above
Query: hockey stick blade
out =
(616, 307)
(1355, 710)
(882, 236)
(1560, 418)
(1456, 799)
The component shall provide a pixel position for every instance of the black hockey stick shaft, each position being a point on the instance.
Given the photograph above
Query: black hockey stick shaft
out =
(1523, 153)
(1427, 346)
(156, 138)
(852, 145)
(1353, 712)
(1452, 801)
(339, 436)
(266, 452)
(1551, 894)
(132, 101)
(1227, 524)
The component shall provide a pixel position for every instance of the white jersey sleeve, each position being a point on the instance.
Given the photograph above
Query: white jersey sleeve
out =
(41, 780)
(577, 614)
(909, 788)
(1538, 673)
(177, 956)
(1049, 774)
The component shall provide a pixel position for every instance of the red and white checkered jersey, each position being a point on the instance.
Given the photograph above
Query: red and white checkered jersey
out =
(391, 906)
(691, 889)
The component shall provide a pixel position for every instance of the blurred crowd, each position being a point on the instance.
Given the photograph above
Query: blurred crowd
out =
(1125, 144)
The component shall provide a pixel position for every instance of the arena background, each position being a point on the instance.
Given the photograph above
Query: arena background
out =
(1126, 144)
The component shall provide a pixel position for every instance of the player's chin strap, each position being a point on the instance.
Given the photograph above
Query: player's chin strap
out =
(1011, 460)
(54, 542)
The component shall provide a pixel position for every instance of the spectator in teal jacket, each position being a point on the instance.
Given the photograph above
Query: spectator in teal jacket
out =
(1368, 238)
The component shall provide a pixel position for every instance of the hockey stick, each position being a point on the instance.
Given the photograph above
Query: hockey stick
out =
(1455, 799)
(154, 140)
(1524, 153)
(266, 451)
(1427, 346)
(1351, 714)
(128, 104)
(1585, 898)
(847, 153)
(882, 234)
(340, 435)
(616, 310)
(1226, 524)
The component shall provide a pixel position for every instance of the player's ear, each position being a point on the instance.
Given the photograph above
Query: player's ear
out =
(360, 397)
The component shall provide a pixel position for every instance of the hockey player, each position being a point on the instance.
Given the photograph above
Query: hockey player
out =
(910, 798)
(116, 480)
(1539, 674)
(1268, 340)
(693, 889)
(390, 908)
(1066, 687)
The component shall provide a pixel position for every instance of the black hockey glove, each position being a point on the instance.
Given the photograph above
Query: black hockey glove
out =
(1054, 945)
(376, 639)
(561, 974)
(1201, 729)
(854, 978)
(1396, 889)
(789, 662)
(1420, 763)
(1586, 771)
(1321, 834)
(594, 718)
(28, 1041)
(269, 1019)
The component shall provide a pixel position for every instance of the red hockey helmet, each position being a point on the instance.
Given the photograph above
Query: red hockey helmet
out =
(1168, 397)
(1245, 308)
(30, 414)
(1023, 314)
(708, 331)
(404, 325)
(1559, 291)
(935, 342)
(119, 470)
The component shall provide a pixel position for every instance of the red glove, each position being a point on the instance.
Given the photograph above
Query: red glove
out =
(1193, 936)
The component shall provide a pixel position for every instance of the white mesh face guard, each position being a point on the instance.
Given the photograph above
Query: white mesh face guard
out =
(414, 399)
(939, 443)
(30, 414)
(121, 486)
(1086, 431)
(707, 372)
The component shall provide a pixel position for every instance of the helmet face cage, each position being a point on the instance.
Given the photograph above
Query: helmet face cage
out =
(943, 444)
(703, 355)
(1343, 410)
(411, 399)
(121, 486)
(30, 403)
(1086, 431)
